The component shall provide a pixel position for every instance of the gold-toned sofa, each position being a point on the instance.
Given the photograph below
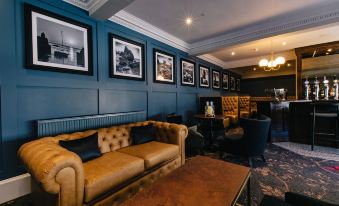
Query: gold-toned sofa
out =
(244, 106)
(230, 108)
(61, 178)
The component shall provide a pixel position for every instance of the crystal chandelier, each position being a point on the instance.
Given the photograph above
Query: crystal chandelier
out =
(272, 64)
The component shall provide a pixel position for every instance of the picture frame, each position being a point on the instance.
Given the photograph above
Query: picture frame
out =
(232, 83)
(127, 58)
(238, 84)
(225, 81)
(187, 71)
(216, 79)
(163, 67)
(57, 43)
(204, 79)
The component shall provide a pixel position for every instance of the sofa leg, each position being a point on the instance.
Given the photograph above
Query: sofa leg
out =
(263, 158)
(250, 162)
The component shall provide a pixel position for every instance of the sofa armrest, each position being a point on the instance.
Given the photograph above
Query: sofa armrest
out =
(56, 169)
(173, 134)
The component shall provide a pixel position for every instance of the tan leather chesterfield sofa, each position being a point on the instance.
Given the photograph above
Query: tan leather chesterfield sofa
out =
(123, 169)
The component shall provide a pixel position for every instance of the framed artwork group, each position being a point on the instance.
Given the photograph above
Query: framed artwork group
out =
(60, 44)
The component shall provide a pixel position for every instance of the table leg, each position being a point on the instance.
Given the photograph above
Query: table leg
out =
(249, 191)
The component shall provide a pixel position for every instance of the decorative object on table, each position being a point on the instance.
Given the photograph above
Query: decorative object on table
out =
(209, 109)
(225, 81)
(277, 95)
(326, 88)
(57, 43)
(307, 89)
(233, 83)
(127, 58)
(164, 67)
(204, 76)
(335, 86)
(238, 84)
(316, 88)
(216, 79)
(187, 72)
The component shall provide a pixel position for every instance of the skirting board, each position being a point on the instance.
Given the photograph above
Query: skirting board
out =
(15, 187)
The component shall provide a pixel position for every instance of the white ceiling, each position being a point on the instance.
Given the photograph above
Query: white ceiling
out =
(307, 37)
(222, 26)
(213, 17)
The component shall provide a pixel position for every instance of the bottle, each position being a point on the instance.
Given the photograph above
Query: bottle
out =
(307, 89)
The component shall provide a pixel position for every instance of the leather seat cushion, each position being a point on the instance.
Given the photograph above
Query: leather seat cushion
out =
(108, 171)
(152, 152)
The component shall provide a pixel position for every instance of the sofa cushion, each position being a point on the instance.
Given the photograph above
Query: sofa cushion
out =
(143, 134)
(87, 147)
(152, 152)
(108, 171)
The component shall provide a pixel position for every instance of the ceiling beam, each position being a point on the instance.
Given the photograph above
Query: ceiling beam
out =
(104, 9)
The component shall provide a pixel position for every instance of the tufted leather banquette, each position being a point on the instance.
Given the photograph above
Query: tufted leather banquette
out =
(122, 170)
(244, 106)
(230, 108)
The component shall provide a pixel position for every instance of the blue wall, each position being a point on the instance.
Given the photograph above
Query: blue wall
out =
(28, 95)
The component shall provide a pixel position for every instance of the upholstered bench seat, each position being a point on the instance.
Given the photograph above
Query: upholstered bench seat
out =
(153, 153)
(108, 171)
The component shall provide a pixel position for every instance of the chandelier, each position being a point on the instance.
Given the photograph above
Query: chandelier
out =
(272, 64)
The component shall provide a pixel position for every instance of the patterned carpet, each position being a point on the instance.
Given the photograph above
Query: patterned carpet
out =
(287, 171)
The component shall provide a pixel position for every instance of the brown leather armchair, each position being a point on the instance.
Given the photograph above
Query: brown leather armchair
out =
(230, 108)
(122, 170)
(244, 106)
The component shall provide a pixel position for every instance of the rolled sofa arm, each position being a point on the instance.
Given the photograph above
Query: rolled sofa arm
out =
(56, 169)
(173, 134)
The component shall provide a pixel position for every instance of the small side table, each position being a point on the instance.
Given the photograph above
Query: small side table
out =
(211, 120)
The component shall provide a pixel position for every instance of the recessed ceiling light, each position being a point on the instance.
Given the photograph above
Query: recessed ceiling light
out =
(255, 49)
(327, 53)
(232, 53)
(188, 21)
(254, 68)
(288, 65)
(284, 43)
(329, 50)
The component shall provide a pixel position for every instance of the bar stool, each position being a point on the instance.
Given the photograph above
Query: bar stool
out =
(324, 110)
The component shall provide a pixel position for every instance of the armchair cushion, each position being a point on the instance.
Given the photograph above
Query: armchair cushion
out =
(143, 134)
(87, 148)
(152, 152)
(108, 171)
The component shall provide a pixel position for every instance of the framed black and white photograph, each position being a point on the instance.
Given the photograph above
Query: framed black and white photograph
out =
(164, 67)
(127, 58)
(238, 84)
(216, 79)
(232, 83)
(225, 81)
(56, 43)
(204, 76)
(187, 72)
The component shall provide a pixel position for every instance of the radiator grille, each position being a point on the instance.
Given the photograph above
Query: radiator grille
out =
(52, 127)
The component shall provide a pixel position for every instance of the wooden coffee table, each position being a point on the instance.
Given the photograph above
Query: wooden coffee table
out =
(201, 181)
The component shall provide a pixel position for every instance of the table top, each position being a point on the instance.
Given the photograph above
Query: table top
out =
(201, 181)
(202, 116)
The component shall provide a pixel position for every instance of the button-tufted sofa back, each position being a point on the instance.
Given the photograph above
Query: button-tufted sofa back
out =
(230, 105)
(116, 137)
(244, 105)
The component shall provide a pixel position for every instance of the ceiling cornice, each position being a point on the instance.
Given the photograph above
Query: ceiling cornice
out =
(276, 26)
(132, 22)
(80, 4)
(212, 59)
